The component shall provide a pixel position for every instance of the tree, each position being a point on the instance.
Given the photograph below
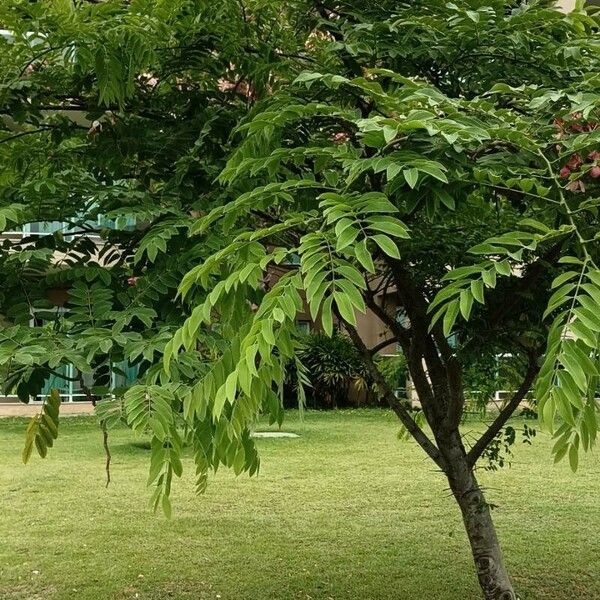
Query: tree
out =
(442, 156)
(426, 165)
(333, 367)
(115, 123)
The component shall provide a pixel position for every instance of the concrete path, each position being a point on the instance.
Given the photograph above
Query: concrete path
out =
(18, 409)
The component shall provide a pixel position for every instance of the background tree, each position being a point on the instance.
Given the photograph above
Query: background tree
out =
(115, 122)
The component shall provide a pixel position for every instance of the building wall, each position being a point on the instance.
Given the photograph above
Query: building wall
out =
(566, 5)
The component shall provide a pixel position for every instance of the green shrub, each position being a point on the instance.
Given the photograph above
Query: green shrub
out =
(393, 368)
(335, 370)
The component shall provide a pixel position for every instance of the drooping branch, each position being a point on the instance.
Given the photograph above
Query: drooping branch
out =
(388, 395)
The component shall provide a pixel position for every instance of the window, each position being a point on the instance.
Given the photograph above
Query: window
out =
(402, 317)
(121, 223)
(402, 320)
(101, 221)
(304, 326)
(123, 375)
(65, 381)
(43, 227)
(453, 341)
(291, 260)
(64, 378)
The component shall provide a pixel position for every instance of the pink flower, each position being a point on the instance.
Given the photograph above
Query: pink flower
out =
(595, 172)
(565, 172)
(575, 186)
(340, 137)
(595, 155)
(132, 280)
(574, 162)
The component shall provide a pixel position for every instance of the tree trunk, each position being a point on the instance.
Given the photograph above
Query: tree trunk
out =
(493, 576)
(443, 414)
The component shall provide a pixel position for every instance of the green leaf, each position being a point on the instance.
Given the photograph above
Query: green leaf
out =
(450, 317)
(489, 278)
(166, 506)
(503, 268)
(327, 315)
(477, 290)
(391, 227)
(573, 457)
(393, 170)
(563, 278)
(345, 307)
(317, 298)
(574, 368)
(386, 245)
(583, 333)
(353, 294)
(466, 304)
(346, 238)
(352, 274)
(389, 133)
(364, 256)
(411, 176)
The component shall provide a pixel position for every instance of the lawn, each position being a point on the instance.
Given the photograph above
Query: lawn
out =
(345, 511)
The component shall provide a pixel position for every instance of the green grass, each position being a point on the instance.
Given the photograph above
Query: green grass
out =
(346, 511)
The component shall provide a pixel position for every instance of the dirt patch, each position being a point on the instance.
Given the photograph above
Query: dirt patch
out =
(170, 590)
(274, 434)
(26, 592)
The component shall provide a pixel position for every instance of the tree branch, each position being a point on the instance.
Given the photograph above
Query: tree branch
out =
(22, 134)
(92, 399)
(492, 431)
(60, 375)
(40, 55)
(413, 350)
(384, 344)
(386, 393)
(399, 332)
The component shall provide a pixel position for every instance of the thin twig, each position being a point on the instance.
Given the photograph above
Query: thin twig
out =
(92, 399)
(23, 133)
(106, 451)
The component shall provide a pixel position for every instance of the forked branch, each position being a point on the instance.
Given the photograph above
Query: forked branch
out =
(388, 395)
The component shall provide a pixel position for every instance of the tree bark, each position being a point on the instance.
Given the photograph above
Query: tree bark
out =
(487, 555)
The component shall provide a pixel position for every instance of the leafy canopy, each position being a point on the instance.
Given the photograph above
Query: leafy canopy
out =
(417, 156)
